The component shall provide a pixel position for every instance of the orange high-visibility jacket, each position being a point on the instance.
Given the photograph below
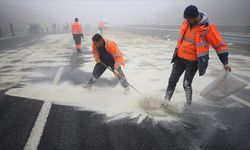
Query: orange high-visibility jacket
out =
(113, 50)
(76, 28)
(194, 44)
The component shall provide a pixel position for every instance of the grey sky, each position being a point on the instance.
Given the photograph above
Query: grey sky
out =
(221, 12)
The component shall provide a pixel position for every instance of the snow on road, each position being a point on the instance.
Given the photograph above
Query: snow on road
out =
(19, 65)
(147, 68)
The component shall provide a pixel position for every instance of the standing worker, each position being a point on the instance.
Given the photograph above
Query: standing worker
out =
(46, 28)
(12, 29)
(54, 27)
(106, 53)
(77, 34)
(191, 53)
(101, 26)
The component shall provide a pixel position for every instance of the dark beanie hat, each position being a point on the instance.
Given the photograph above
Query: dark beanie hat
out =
(97, 37)
(191, 12)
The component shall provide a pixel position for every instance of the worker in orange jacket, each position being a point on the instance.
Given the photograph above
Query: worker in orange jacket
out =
(77, 34)
(101, 26)
(191, 53)
(106, 53)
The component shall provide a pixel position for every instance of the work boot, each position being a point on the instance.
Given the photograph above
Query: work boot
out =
(186, 107)
(165, 102)
(78, 51)
(87, 86)
(167, 98)
(127, 90)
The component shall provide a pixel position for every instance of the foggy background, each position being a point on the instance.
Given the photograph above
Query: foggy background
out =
(120, 12)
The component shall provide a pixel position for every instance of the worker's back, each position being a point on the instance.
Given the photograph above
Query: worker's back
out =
(76, 28)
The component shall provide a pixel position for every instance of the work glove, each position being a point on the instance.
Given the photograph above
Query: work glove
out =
(228, 68)
(98, 60)
(116, 72)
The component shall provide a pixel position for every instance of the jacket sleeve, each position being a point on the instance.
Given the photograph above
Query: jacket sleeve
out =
(116, 53)
(214, 38)
(95, 53)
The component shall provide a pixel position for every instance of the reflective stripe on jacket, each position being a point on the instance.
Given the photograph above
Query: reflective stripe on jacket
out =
(194, 44)
(113, 50)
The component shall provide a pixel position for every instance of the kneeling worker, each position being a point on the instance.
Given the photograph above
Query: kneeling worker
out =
(107, 54)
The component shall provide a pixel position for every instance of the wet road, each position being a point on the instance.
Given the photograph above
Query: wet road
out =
(209, 125)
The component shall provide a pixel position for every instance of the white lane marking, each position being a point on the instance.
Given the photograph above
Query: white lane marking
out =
(21, 44)
(37, 130)
(58, 76)
(240, 100)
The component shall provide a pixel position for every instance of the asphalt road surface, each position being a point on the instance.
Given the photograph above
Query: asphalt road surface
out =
(43, 106)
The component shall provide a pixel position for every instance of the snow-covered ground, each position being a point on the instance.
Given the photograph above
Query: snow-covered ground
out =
(21, 64)
(147, 69)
